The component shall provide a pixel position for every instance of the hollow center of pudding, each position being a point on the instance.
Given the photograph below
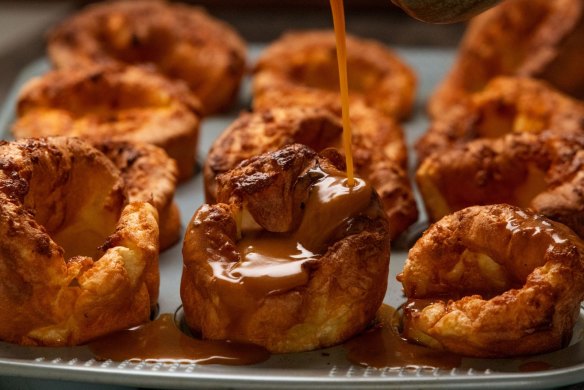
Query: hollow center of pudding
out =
(274, 262)
(322, 72)
(107, 103)
(84, 231)
(115, 100)
(475, 272)
(519, 183)
(80, 211)
(319, 134)
(498, 119)
(133, 44)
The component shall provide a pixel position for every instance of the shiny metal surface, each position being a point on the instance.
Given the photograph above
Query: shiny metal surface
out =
(323, 368)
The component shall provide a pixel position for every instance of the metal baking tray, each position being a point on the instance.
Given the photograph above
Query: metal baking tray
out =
(323, 368)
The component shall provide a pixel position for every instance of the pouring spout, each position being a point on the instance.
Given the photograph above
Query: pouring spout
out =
(444, 11)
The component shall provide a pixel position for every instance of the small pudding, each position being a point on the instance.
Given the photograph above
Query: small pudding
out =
(290, 258)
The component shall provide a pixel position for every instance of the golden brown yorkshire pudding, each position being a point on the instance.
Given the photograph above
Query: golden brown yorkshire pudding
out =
(150, 176)
(505, 105)
(494, 281)
(301, 68)
(181, 41)
(117, 103)
(527, 38)
(379, 151)
(544, 172)
(308, 267)
(76, 262)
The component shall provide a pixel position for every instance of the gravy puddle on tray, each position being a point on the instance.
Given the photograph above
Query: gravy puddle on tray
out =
(382, 346)
(162, 341)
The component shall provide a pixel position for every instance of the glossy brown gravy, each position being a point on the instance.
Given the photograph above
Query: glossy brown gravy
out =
(382, 346)
(161, 341)
(337, 8)
(273, 263)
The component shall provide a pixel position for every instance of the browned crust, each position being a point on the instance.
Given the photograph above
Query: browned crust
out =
(183, 42)
(256, 133)
(271, 186)
(378, 149)
(345, 287)
(527, 38)
(150, 176)
(52, 300)
(506, 104)
(530, 309)
(113, 103)
(301, 69)
(493, 171)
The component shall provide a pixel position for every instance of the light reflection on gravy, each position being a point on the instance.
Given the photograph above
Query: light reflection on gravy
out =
(273, 263)
(270, 258)
(382, 346)
(161, 341)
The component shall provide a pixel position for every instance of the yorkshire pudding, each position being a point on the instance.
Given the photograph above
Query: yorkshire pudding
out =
(76, 262)
(527, 38)
(118, 103)
(494, 281)
(301, 68)
(181, 41)
(305, 268)
(379, 151)
(150, 176)
(505, 105)
(544, 172)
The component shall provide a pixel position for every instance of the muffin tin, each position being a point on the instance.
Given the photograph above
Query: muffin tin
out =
(326, 368)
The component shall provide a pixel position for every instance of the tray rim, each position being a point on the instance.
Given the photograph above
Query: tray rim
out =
(560, 377)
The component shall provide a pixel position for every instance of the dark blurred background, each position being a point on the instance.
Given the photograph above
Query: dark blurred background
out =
(264, 20)
(23, 24)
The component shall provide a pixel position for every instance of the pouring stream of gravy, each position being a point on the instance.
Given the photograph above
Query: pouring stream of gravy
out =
(339, 24)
